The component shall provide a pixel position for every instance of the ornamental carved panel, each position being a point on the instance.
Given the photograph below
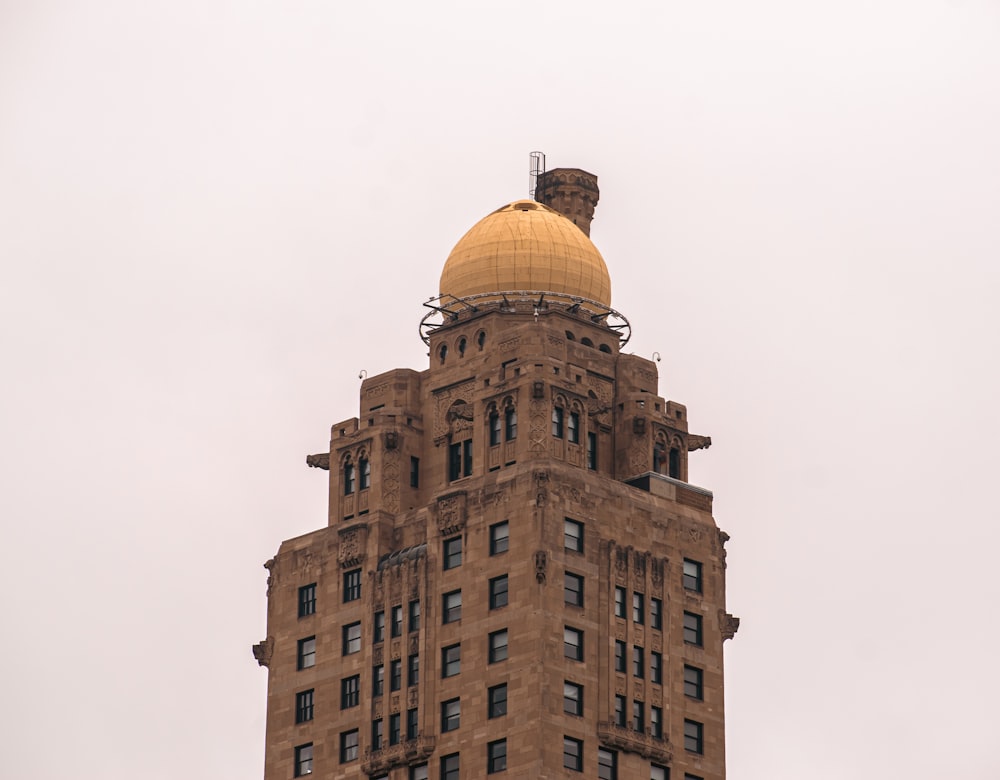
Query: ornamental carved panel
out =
(353, 543)
(450, 513)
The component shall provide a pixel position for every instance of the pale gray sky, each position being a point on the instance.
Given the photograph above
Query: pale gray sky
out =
(213, 215)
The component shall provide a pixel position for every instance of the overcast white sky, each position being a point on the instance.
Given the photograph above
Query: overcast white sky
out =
(213, 215)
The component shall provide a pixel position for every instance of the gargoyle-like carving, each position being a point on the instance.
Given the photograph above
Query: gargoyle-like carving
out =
(728, 624)
(262, 651)
(541, 562)
(320, 460)
(272, 575)
(696, 442)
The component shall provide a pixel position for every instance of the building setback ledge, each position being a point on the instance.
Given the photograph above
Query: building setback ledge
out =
(381, 761)
(634, 742)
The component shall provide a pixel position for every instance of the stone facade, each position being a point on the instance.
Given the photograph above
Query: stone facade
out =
(515, 570)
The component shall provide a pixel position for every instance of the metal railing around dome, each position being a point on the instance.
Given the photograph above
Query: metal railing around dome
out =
(446, 309)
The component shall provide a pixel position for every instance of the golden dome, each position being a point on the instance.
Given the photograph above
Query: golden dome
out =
(526, 246)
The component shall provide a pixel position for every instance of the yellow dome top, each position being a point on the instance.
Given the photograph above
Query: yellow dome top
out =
(526, 246)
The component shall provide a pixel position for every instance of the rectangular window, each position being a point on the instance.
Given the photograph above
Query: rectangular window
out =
(397, 620)
(557, 422)
(349, 746)
(377, 734)
(307, 600)
(498, 646)
(498, 592)
(352, 638)
(573, 589)
(496, 756)
(572, 698)
(352, 585)
(637, 662)
(592, 451)
(304, 706)
(692, 575)
(574, 428)
(692, 628)
(619, 602)
(656, 722)
(607, 764)
(365, 473)
(378, 629)
(693, 682)
(394, 728)
(418, 772)
(449, 767)
(348, 478)
(499, 538)
(413, 670)
(692, 777)
(414, 616)
(638, 716)
(307, 652)
(411, 723)
(454, 461)
(414, 472)
(510, 423)
(451, 714)
(656, 667)
(378, 680)
(573, 643)
(573, 754)
(494, 429)
(619, 656)
(451, 610)
(304, 760)
(350, 688)
(498, 701)
(638, 611)
(452, 553)
(656, 614)
(657, 772)
(694, 736)
(619, 710)
(573, 535)
(451, 660)
(395, 674)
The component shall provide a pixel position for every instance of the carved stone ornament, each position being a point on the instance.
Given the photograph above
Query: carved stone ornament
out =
(696, 442)
(320, 460)
(380, 762)
(272, 575)
(728, 625)
(537, 426)
(723, 538)
(390, 480)
(353, 542)
(449, 512)
(262, 651)
(541, 478)
(541, 562)
(656, 569)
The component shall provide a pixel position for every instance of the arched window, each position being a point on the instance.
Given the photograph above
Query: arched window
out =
(557, 421)
(675, 462)
(365, 473)
(605, 348)
(573, 426)
(586, 342)
(443, 352)
(348, 477)
(461, 346)
(481, 339)
(510, 422)
(494, 422)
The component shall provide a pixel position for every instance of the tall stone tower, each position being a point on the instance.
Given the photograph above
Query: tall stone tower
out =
(516, 577)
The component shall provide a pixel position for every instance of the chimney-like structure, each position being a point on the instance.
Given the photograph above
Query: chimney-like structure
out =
(570, 191)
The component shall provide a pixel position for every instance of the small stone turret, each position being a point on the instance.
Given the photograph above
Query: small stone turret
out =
(570, 191)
